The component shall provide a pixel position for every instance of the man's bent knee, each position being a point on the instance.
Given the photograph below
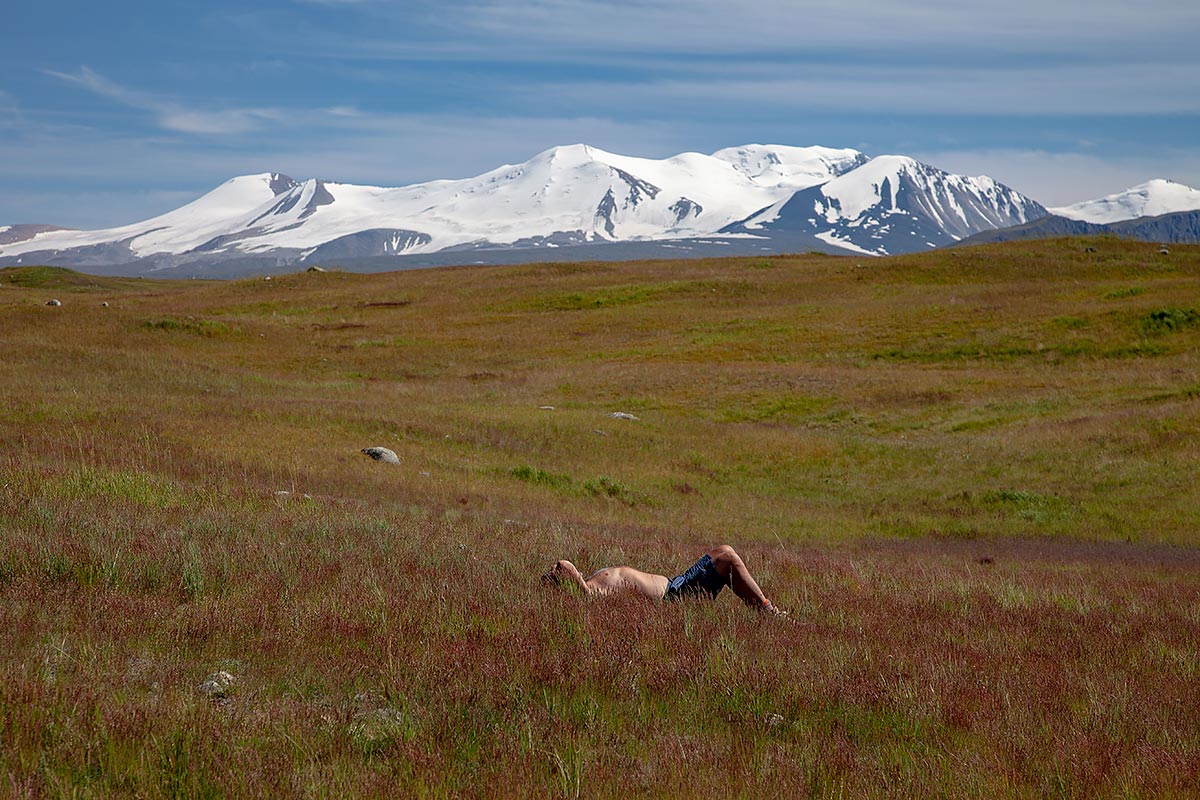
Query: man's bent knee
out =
(723, 552)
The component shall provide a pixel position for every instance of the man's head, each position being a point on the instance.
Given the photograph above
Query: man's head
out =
(561, 569)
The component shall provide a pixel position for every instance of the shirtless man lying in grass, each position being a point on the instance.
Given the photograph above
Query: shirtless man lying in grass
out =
(716, 569)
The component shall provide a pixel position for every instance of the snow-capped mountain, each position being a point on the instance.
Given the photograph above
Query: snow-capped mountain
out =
(1151, 199)
(754, 197)
(566, 195)
(893, 204)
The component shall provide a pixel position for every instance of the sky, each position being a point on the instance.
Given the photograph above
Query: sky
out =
(115, 112)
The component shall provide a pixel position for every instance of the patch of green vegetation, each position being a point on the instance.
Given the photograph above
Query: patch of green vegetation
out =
(1088, 348)
(629, 295)
(1126, 291)
(1004, 350)
(738, 331)
(48, 278)
(1069, 323)
(540, 477)
(391, 341)
(1033, 507)
(1168, 320)
(274, 308)
(140, 488)
(995, 414)
(197, 327)
(791, 407)
(604, 486)
(601, 298)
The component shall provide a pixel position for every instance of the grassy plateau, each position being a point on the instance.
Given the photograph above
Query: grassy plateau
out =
(972, 476)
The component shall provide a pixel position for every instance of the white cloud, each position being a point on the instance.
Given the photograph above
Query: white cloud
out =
(716, 26)
(170, 115)
(987, 91)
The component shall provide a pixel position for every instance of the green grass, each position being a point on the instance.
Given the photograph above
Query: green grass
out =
(198, 327)
(971, 475)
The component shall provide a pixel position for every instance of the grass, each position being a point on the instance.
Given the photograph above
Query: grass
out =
(970, 474)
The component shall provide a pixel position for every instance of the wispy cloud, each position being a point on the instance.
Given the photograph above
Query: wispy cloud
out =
(985, 90)
(792, 25)
(171, 115)
(504, 30)
(10, 114)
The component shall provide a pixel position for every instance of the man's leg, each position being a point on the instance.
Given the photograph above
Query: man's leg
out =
(731, 567)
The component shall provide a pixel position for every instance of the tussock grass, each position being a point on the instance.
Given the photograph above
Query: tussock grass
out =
(971, 475)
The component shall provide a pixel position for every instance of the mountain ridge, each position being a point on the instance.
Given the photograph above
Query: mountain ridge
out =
(746, 199)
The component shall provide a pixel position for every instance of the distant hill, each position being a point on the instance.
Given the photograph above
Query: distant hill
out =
(1182, 227)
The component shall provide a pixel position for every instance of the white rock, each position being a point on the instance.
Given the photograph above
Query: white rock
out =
(623, 415)
(54, 303)
(382, 454)
(217, 685)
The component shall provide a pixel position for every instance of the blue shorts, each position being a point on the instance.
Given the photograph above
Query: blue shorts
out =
(700, 577)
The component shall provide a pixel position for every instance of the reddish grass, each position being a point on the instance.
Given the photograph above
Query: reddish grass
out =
(990, 561)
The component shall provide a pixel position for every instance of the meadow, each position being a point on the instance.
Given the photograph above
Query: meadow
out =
(971, 475)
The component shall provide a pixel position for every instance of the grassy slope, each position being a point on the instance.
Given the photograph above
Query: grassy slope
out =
(972, 474)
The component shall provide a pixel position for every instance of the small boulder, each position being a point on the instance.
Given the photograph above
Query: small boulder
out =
(1164, 251)
(104, 304)
(623, 415)
(381, 454)
(54, 302)
(217, 686)
(315, 268)
(377, 728)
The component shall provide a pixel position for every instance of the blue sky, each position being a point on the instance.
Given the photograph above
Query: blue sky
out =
(114, 112)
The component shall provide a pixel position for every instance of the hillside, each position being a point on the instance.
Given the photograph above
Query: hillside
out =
(971, 475)
(1181, 227)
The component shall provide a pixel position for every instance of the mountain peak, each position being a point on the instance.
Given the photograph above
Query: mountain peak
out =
(568, 155)
(1150, 199)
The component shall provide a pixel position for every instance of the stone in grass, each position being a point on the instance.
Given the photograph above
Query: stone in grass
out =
(54, 302)
(623, 415)
(382, 454)
(377, 728)
(217, 686)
